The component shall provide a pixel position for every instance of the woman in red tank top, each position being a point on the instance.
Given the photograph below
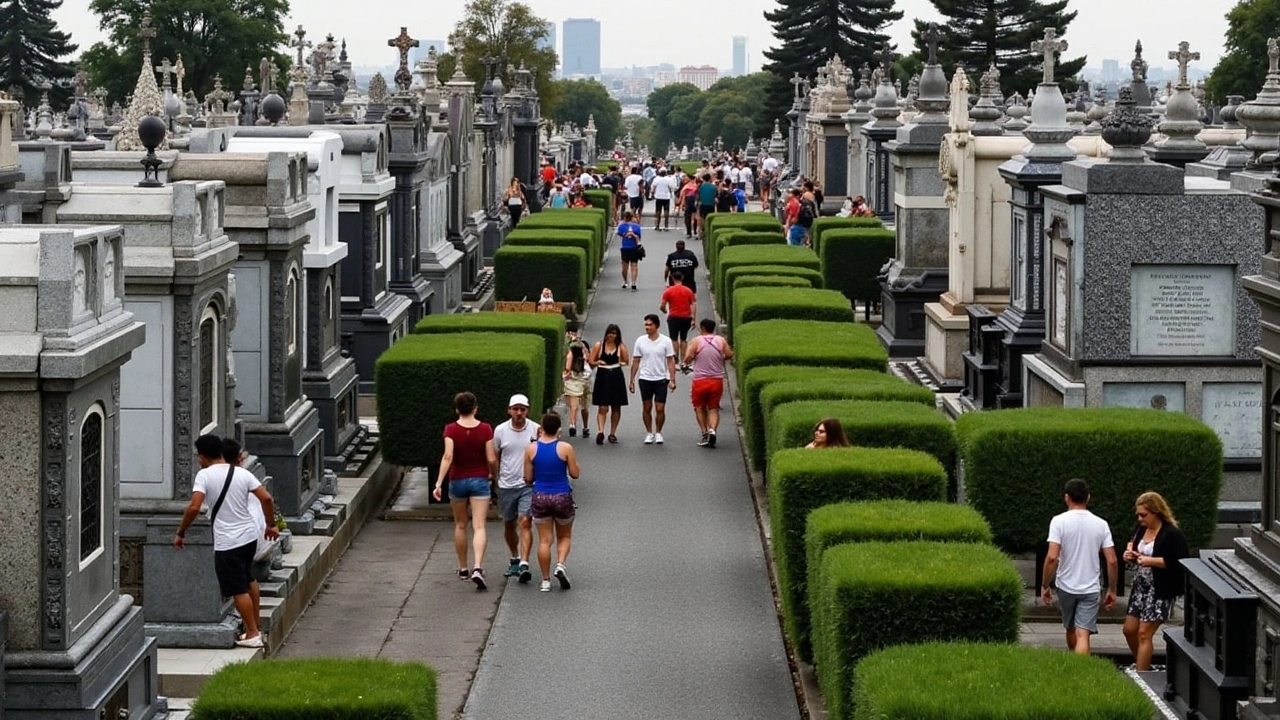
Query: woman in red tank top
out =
(469, 462)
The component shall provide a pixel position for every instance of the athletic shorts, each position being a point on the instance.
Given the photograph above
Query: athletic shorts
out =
(1079, 611)
(706, 393)
(705, 210)
(515, 502)
(796, 235)
(559, 507)
(655, 390)
(467, 488)
(661, 205)
(678, 327)
(637, 202)
(234, 569)
(630, 255)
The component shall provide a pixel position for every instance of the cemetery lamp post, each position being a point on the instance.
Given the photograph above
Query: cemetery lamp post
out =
(151, 131)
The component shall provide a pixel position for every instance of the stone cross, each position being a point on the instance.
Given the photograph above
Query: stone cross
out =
(796, 82)
(1273, 56)
(300, 43)
(402, 43)
(145, 33)
(179, 72)
(932, 36)
(886, 62)
(217, 98)
(1184, 56)
(1050, 46)
(165, 69)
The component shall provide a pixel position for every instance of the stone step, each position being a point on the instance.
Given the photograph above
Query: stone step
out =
(184, 672)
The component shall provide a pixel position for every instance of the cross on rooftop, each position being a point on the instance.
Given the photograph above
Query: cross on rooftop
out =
(887, 57)
(1050, 46)
(402, 43)
(1273, 56)
(165, 69)
(1184, 56)
(932, 36)
(145, 33)
(300, 43)
(796, 82)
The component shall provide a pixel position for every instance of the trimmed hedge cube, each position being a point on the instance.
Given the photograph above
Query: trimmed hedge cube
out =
(548, 326)
(569, 219)
(960, 677)
(752, 220)
(558, 237)
(756, 304)
(520, 273)
(801, 481)
(728, 236)
(417, 378)
(808, 342)
(876, 595)
(1017, 461)
(600, 199)
(723, 296)
(824, 224)
(742, 255)
(772, 281)
(331, 688)
(852, 258)
(868, 385)
(867, 423)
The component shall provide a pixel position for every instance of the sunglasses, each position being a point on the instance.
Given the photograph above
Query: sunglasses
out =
(1142, 515)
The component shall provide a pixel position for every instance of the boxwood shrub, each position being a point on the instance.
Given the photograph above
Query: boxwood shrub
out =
(600, 199)
(723, 296)
(743, 255)
(867, 423)
(801, 481)
(807, 342)
(1017, 461)
(852, 258)
(864, 385)
(875, 595)
(771, 281)
(548, 326)
(752, 220)
(559, 237)
(329, 688)
(573, 218)
(823, 224)
(417, 378)
(883, 521)
(520, 273)
(756, 304)
(983, 680)
(730, 235)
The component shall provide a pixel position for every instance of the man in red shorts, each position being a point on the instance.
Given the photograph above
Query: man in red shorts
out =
(680, 305)
(707, 354)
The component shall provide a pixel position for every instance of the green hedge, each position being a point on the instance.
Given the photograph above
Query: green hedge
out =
(852, 258)
(824, 224)
(965, 681)
(730, 235)
(724, 296)
(548, 326)
(319, 689)
(867, 423)
(574, 218)
(807, 342)
(600, 199)
(744, 255)
(801, 481)
(559, 237)
(520, 273)
(772, 281)
(756, 304)
(417, 378)
(867, 385)
(1016, 463)
(875, 595)
(751, 220)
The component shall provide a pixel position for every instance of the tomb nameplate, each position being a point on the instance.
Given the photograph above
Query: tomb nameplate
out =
(1234, 411)
(1183, 310)
(1156, 396)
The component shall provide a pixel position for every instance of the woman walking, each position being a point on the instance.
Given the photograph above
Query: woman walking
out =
(548, 466)
(577, 383)
(468, 463)
(828, 434)
(514, 199)
(1156, 549)
(609, 357)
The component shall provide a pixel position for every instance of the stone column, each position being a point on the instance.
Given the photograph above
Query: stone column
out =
(854, 120)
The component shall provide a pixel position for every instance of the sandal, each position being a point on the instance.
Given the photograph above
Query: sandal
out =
(613, 439)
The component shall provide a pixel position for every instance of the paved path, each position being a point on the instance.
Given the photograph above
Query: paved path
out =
(671, 614)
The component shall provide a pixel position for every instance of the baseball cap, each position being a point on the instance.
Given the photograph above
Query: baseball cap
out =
(518, 399)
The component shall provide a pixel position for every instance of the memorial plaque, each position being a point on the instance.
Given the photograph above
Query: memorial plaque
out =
(1183, 310)
(1234, 411)
(1157, 396)
(1061, 303)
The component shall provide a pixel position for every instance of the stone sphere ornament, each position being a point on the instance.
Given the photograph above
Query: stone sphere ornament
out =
(273, 108)
(1126, 129)
(151, 132)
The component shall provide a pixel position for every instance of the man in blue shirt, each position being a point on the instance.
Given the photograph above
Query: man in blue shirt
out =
(629, 233)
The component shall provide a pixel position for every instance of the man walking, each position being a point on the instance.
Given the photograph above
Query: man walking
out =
(707, 354)
(653, 358)
(1076, 537)
(515, 496)
(663, 190)
(684, 262)
(235, 529)
(680, 305)
(635, 187)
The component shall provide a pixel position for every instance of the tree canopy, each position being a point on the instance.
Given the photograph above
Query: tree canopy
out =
(510, 32)
(1243, 66)
(215, 37)
(30, 45)
(580, 99)
(730, 109)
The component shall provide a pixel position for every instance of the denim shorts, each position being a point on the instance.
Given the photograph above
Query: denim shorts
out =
(1079, 611)
(472, 487)
(796, 235)
(515, 502)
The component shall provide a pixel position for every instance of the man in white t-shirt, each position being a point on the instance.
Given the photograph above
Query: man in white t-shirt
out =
(663, 190)
(1076, 538)
(634, 185)
(653, 358)
(226, 489)
(515, 496)
(770, 164)
(746, 178)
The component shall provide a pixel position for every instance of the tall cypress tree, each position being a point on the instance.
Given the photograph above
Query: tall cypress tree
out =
(30, 45)
(980, 31)
(809, 32)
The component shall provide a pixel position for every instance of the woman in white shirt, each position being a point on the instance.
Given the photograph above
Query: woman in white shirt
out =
(514, 200)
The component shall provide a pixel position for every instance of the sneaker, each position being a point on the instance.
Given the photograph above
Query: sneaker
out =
(625, 286)
(525, 575)
(545, 587)
(562, 576)
(464, 574)
(711, 439)
(657, 437)
(477, 577)
(514, 569)
(633, 288)
(649, 438)
(586, 432)
(703, 441)
(573, 431)
(256, 640)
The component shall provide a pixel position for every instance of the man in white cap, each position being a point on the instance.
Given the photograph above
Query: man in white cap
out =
(515, 497)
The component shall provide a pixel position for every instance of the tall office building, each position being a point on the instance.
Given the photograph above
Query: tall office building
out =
(549, 42)
(739, 55)
(1110, 71)
(581, 48)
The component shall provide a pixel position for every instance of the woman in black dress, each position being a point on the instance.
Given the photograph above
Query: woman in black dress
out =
(609, 357)
(1156, 549)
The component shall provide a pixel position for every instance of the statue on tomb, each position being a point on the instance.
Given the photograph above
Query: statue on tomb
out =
(179, 72)
(1138, 66)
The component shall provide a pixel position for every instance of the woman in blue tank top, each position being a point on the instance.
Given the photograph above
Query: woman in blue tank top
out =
(548, 466)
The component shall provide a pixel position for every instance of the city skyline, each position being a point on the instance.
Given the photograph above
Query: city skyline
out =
(580, 48)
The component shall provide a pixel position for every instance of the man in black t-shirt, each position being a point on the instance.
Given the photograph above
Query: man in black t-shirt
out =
(684, 262)
(613, 182)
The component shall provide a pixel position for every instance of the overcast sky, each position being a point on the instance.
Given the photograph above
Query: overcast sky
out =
(684, 32)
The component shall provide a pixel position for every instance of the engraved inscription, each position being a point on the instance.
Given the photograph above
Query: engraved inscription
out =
(1186, 310)
(1234, 411)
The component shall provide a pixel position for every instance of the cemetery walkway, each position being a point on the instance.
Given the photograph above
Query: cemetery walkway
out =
(671, 614)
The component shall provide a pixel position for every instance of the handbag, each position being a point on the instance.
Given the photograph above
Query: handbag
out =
(640, 251)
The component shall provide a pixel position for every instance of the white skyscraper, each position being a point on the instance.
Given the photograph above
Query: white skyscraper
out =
(549, 42)
(739, 55)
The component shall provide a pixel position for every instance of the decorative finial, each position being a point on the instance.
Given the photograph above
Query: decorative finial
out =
(1184, 56)
(1126, 129)
(301, 43)
(1138, 66)
(146, 32)
(402, 43)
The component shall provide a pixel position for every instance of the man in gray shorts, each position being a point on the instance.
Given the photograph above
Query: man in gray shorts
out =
(515, 497)
(1076, 538)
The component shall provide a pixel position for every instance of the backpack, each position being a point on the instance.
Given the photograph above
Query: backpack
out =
(807, 213)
